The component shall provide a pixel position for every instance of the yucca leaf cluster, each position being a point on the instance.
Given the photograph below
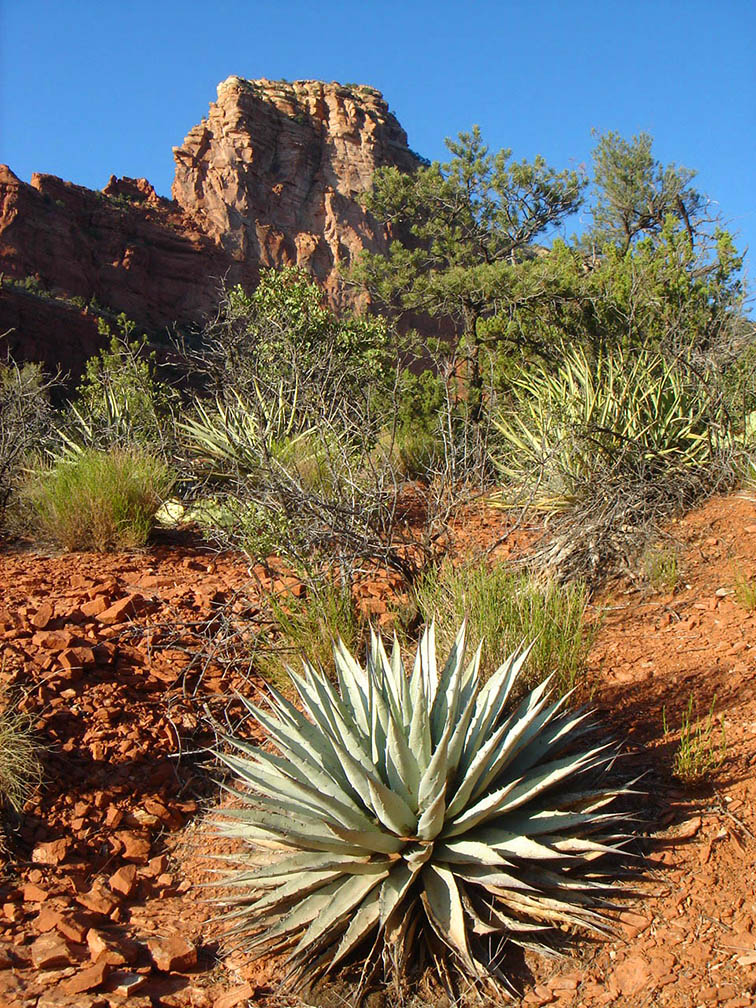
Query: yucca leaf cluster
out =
(419, 816)
(626, 414)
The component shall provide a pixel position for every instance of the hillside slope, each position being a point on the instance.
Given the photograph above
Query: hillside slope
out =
(112, 654)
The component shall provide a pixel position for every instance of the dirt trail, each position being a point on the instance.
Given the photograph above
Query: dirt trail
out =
(99, 905)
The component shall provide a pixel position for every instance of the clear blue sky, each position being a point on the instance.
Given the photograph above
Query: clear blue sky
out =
(88, 89)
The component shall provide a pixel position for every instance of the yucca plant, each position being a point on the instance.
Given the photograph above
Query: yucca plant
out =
(237, 434)
(631, 414)
(419, 817)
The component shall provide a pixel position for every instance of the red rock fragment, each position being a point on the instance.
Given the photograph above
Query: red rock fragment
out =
(235, 997)
(43, 616)
(50, 951)
(125, 608)
(115, 952)
(53, 640)
(97, 605)
(126, 983)
(87, 979)
(72, 926)
(76, 659)
(97, 900)
(172, 954)
(124, 880)
(134, 846)
(51, 853)
(47, 920)
(33, 893)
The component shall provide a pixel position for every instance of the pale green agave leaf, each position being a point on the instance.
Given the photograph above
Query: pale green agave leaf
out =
(419, 817)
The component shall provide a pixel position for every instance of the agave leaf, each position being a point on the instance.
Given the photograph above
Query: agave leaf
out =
(391, 809)
(431, 822)
(394, 889)
(544, 737)
(419, 731)
(351, 893)
(518, 792)
(402, 771)
(444, 707)
(444, 906)
(296, 889)
(475, 852)
(364, 921)
(376, 840)
(353, 685)
(309, 783)
(302, 862)
(272, 776)
(491, 701)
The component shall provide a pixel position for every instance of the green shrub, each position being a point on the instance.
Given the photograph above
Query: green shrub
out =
(25, 418)
(403, 821)
(503, 609)
(101, 500)
(120, 403)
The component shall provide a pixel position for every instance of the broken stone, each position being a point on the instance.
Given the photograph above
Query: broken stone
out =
(43, 616)
(52, 853)
(50, 951)
(33, 894)
(124, 880)
(87, 979)
(173, 954)
(135, 846)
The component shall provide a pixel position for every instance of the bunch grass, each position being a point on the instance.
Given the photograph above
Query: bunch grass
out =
(503, 608)
(101, 500)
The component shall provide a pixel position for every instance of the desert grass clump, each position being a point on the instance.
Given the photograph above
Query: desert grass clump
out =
(701, 749)
(421, 820)
(101, 500)
(661, 567)
(20, 765)
(745, 591)
(503, 608)
(309, 625)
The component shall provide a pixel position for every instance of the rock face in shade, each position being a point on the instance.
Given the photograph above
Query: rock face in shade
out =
(276, 171)
(272, 177)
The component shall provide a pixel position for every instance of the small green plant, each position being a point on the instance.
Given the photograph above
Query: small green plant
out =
(699, 752)
(419, 820)
(101, 500)
(309, 625)
(503, 608)
(661, 568)
(745, 591)
(120, 402)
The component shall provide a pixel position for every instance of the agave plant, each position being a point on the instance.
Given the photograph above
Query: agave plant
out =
(420, 813)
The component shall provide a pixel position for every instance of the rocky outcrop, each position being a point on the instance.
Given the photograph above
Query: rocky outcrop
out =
(276, 171)
(272, 177)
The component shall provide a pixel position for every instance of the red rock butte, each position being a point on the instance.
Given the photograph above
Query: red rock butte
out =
(272, 176)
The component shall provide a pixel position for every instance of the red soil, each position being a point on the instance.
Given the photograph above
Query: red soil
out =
(99, 904)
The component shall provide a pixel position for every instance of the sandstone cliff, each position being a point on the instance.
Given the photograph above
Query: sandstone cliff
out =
(273, 176)
(276, 171)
